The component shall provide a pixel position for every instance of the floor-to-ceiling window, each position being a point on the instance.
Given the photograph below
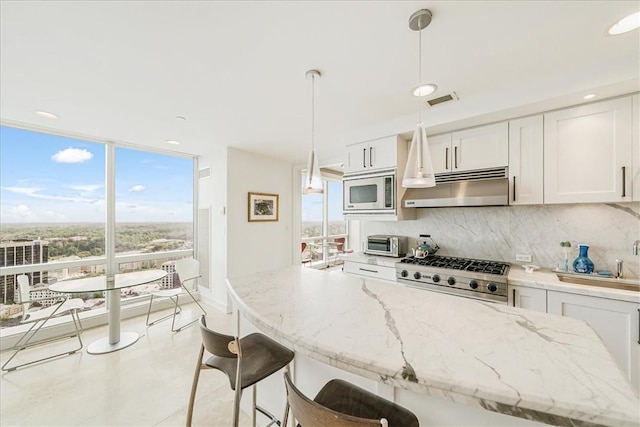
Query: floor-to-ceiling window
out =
(323, 223)
(53, 211)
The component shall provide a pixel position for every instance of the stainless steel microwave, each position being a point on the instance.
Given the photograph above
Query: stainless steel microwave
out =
(369, 193)
(394, 246)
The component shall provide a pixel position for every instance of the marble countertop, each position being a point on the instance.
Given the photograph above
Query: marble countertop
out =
(519, 362)
(547, 279)
(544, 279)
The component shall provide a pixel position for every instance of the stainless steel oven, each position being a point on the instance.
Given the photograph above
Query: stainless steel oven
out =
(369, 193)
(393, 246)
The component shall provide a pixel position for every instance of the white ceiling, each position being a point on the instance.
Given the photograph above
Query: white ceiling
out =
(123, 71)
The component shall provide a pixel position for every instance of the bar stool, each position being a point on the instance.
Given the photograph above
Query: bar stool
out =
(245, 361)
(342, 404)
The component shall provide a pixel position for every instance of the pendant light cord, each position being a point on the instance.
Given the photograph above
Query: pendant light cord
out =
(313, 112)
(419, 67)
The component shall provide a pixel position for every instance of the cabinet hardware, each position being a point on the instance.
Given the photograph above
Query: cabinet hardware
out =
(446, 158)
(364, 157)
(514, 188)
(624, 184)
(514, 297)
(371, 156)
(370, 271)
(639, 326)
(455, 157)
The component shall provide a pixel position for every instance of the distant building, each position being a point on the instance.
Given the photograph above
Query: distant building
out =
(21, 252)
(171, 280)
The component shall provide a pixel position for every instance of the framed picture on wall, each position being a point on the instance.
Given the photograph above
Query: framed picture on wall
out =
(263, 207)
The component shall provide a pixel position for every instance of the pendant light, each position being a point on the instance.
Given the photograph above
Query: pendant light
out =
(313, 180)
(418, 172)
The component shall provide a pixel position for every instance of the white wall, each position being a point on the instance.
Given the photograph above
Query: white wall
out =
(212, 194)
(498, 233)
(257, 246)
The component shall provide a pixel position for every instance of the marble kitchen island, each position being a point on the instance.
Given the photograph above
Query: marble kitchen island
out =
(429, 351)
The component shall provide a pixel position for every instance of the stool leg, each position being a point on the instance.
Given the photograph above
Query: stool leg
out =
(253, 405)
(194, 386)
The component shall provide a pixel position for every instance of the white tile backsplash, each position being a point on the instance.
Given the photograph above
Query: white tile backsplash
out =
(498, 233)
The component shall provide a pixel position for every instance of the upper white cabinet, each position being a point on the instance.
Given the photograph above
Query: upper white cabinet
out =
(382, 153)
(588, 153)
(526, 161)
(616, 322)
(477, 148)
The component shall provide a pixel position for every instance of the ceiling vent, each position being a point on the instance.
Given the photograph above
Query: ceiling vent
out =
(442, 99)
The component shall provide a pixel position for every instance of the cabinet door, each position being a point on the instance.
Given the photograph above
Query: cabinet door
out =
(616, 322)
(525, 161)
(382, 153)
(529, 298)
(587, 150)
(441, 154)
(357, 158)
(481, 147)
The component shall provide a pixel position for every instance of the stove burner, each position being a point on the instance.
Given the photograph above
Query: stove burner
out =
(464, 264)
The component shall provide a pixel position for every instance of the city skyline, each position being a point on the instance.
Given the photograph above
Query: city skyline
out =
(55, 179)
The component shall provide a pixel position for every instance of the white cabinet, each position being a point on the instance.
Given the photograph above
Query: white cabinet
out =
(382, 153)
(529, 298)
(588, 152)
(526, 161)
(477, 148)
(370, 270)
(616, 322)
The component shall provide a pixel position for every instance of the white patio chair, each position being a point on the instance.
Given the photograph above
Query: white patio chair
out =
(188, 270)
(63, 305)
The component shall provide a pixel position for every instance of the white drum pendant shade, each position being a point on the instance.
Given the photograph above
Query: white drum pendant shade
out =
(313, 180)
(419, 170)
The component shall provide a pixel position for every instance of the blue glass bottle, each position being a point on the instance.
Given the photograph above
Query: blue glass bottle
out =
(583, 264)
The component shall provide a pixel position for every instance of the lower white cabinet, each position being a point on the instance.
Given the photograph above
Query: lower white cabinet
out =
(617, 323)
(529, 298)
(370, 270)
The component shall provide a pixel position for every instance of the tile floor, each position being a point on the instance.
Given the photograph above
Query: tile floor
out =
(146, 384)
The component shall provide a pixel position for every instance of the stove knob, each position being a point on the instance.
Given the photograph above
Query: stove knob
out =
(417, 275)
(473, 284)
(404, 273)
(435, 278)
(492, 287)
(451, 281)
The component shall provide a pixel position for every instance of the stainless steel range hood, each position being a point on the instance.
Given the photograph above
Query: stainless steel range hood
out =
(482, 187)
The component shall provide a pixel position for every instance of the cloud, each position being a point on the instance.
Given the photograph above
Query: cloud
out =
(33, 192)
(22, 211)
(27, 191)
(85, 188)
(72, 155)
(137, 188)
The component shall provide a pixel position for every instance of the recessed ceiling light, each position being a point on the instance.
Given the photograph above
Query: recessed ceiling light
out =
(46, 115)
(424, 90)
(591, 95)
(172, 142)
(626, 24)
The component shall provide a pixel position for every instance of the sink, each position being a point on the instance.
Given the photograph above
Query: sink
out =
(602, 282)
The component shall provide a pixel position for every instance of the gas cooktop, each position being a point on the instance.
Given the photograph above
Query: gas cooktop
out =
(473, 278)
(453, 263)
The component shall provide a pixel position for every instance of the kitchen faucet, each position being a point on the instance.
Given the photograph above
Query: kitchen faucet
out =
(619, 263)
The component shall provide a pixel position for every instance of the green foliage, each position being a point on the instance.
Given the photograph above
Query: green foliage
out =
(565, 244)
(88, 239)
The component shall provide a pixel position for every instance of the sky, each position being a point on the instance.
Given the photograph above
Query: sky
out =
(312, 204)
(53, 179)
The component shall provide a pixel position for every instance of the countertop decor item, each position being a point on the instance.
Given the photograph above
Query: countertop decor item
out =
(583, 264)
(566, 246)
(313, 180)
(419, 170)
